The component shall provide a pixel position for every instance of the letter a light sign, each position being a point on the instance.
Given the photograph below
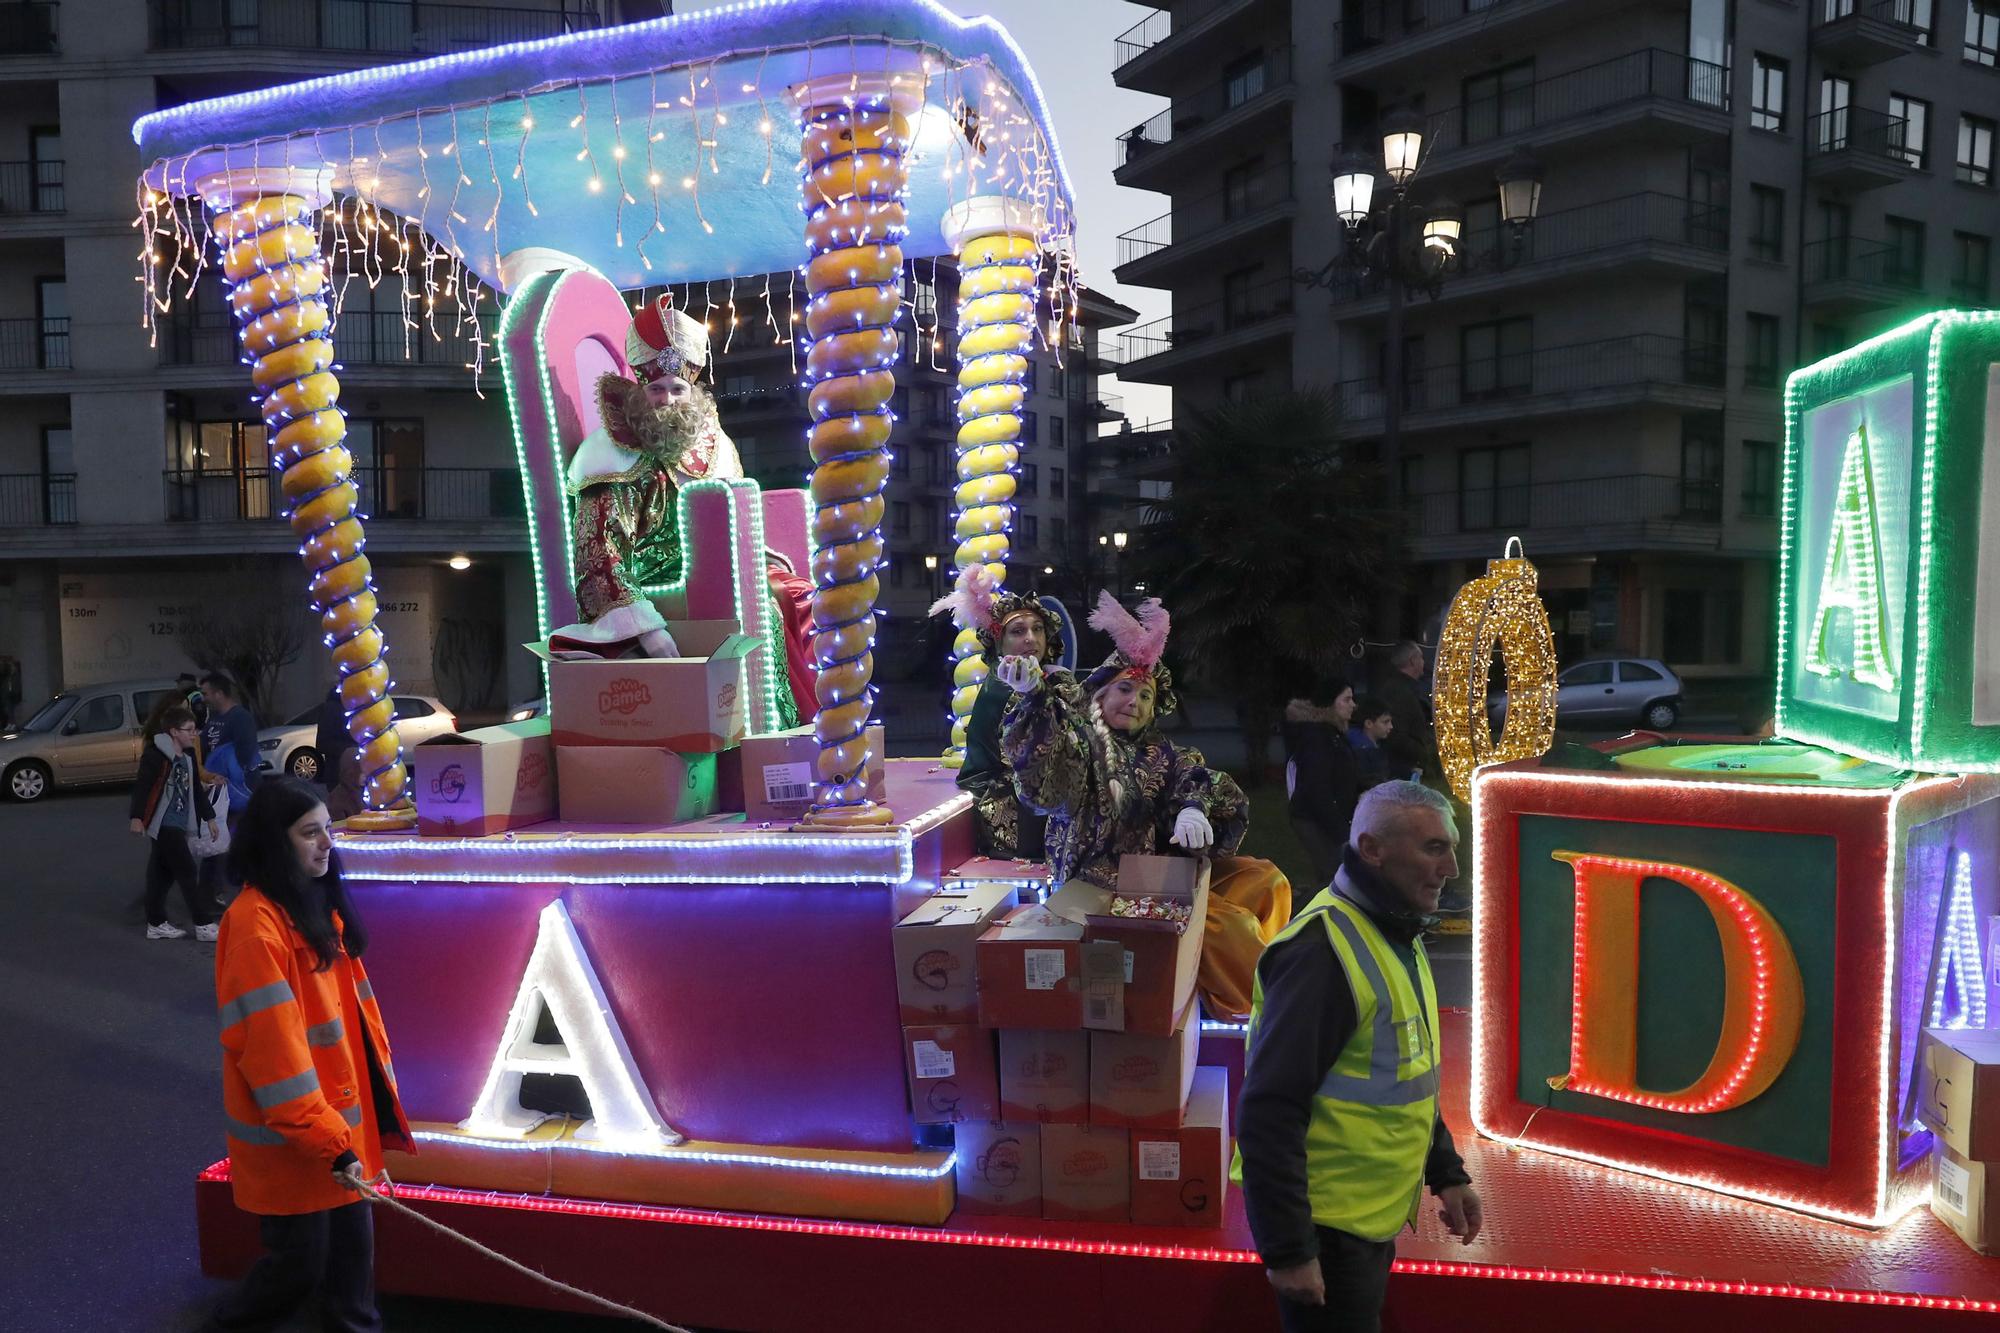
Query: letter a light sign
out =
(1762, 1007)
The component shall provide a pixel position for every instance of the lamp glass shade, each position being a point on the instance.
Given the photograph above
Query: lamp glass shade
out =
(1520, 180)
(1353, 194)
(1442, 232)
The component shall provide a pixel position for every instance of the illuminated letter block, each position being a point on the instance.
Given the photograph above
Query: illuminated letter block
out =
(1892, 492)
(1712, 963)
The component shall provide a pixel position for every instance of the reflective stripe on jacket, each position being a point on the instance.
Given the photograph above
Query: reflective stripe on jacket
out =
(1370, 1129)
(296, 1085)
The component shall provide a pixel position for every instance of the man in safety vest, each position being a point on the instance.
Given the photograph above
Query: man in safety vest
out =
(1339, 1129)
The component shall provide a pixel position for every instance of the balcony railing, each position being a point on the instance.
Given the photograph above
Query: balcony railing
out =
(37, 499)
(360, 338)
(1861, 130)
(1851, 259)
(34, 344)
(1566, 505)
(1190, 113)
(1255, 304)
(1161, 24)
(1504, 381)
(1373, 23)
(1902, 13)
(389, 27)
(387, 493)
(1634, 77)
(31, 187)
(28, 27)
(1240, 198)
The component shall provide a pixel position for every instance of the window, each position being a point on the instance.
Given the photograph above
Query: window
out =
(1760, 350)
(1236, 297)
(1236, 388)
(1637, 671)
(1498, 102)
(1828, 339)
(1496, 359)
(1030, 480)
(1835, 94)
(1239, 185)
(1059, 532)
(1030, 428)
(1910, 140)
(1767, 222)
(1031, 531)
(52, 309)
(1055, 483)
(1904, 262)
(1760, 478)
(1058, 430)
(895, 571)
(58, 475)
(408, 705)
(1028, 378)
(1982, 32)
(45, 156)
(1701, 468)
(1971, 266)
(1975, 150)
(104, 713)
(389, 467)
(923, 295)
(1058, 381)
(1705, 326)
(899, 518)
(1493, 487)
(1767, 93)
(900, 462)
(1587, 673)
(1243, 80)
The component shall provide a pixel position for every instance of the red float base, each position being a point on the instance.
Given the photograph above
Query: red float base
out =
(1567, 1245)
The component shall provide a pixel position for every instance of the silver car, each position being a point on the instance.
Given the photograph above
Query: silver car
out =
(1611, 692)
(290, 748)
(89, 734)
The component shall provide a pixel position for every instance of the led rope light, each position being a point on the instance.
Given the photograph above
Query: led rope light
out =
(676, 1155)
(1501, 608)
(1959, 964)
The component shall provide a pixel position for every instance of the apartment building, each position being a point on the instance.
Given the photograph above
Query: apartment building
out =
(138, 507)
(1731, 188)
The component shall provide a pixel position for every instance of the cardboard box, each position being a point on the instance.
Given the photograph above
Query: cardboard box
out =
(624, 784)
(952, 1076)
(1030, 971)
(1086, 1175)
(778, 769)
(1160, 958)
(1140, 1081)
(1045, 1076)
(472, 783)
(693, 704)
(999, 1168)
(1962, 1201)
(936, 946)
(878, 761)
(1179, 1178)
(1958, 1097)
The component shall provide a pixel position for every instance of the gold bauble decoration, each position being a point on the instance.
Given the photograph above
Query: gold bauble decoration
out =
(1502, 608)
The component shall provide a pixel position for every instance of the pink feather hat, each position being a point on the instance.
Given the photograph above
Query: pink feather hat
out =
(1139, 640)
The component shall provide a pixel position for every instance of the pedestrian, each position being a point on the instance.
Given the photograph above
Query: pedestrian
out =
(308, 1090)
(1411, 746)
(188, 689)
(344, 801)
(229, 749)
(1371, 724)
(170, 806)
(330, 738)
(1339, 1130)
(1322, 775)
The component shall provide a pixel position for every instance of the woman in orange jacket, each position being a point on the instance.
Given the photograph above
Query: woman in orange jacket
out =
(308, 1093)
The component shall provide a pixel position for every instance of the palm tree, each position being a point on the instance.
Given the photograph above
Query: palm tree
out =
(1272, 551)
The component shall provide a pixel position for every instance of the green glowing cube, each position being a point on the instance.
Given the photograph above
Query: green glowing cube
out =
(1889, 584)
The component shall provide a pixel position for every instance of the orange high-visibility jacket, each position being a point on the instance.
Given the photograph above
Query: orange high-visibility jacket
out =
(296, 1086)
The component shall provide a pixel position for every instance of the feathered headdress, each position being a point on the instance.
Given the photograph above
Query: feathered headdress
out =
(1139, 640)
(976, 603)
(970, 600)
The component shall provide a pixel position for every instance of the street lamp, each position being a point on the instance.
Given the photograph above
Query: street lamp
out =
(1118, 540)
(931, 568)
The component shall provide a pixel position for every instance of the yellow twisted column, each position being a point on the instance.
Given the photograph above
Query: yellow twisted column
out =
(995, 238)
(269, 242)
(854, 139)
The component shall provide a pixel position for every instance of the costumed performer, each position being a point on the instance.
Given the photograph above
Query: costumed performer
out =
(659, 434)
(1087, 754)
(1009, 624)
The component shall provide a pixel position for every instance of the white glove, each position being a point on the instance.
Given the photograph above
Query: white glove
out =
(658, 643)
(1023, 675)
(1192, 831)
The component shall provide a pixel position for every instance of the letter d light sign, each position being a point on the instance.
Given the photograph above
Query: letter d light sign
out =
(1762, 1004)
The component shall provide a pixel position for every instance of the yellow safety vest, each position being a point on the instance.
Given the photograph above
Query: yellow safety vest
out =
(1370, 1131)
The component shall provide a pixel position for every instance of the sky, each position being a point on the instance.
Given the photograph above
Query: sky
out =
(1069, 43)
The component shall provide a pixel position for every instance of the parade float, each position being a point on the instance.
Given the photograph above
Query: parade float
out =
(699, 1012)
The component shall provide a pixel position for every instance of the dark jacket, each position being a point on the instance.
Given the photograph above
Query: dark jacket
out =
(151, 784)
(1412, 744)
(1308, 1016)
(1369, 759)
(330, 737)
(1326, 779)
(1004, 825)
(231, 740)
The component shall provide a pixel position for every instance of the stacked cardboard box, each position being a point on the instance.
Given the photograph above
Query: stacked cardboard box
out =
(1096, 1111)
(1959, 1102)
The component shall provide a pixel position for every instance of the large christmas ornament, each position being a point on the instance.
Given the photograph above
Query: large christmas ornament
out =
(1501, 609)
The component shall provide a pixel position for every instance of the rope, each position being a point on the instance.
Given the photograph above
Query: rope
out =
(373, 1195)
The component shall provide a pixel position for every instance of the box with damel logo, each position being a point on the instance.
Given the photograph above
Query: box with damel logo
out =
(934, 948)
(472, 783)
(999, 1168)
(1142, 1081)
(1086, 1175)
(951, 1073)
(693, 704)
(1045, 1075)
(1179, 1175)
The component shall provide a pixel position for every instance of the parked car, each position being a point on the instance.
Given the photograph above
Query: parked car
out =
(532, 708)
(89, 734)
(1611, 692)
(289, 748)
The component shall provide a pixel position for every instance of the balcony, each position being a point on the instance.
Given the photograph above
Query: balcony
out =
(379, 27)
(28, 28)
(31, 187)
(361, 338)
(1148, 153)
(1581, 517)
(34, 344)
(1606, 375)
(1152, 54)
(1854, 34)
(1847, 275)
(1206, 336)
(37, 499)
(1855, 148)
(763, 399)
(388, 495)
(1661, 234)
(1671, 97)
(1196, 228)
(1378, 38)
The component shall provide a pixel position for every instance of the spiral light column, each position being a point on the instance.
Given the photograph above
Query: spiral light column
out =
(995, 238)
(855, 134)
(269, 241)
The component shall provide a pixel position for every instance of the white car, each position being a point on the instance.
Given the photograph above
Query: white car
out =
(289, 748)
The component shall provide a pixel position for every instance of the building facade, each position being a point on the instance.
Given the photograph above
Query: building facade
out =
(1732, 188)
